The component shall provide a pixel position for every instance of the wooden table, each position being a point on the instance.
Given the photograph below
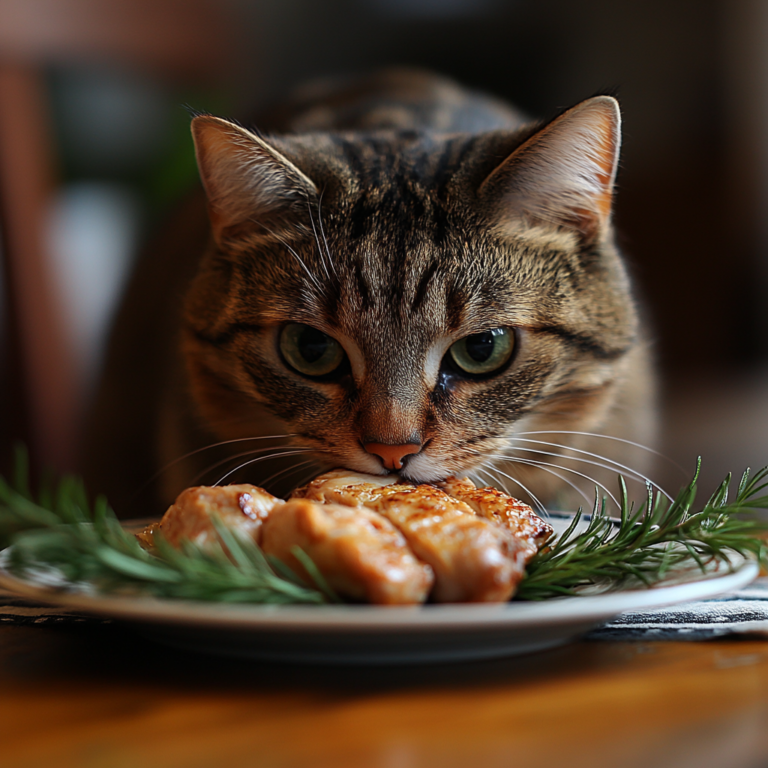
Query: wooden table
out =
(102, 697)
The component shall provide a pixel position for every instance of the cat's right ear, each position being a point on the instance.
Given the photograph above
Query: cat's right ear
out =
(563, 175)
(247, 181)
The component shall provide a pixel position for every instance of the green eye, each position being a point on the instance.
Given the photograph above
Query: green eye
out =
(310, 351)
(485, 352)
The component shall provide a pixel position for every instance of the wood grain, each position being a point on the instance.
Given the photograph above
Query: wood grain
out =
(103, 696)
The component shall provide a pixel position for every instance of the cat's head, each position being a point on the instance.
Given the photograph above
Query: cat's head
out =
(401, 297)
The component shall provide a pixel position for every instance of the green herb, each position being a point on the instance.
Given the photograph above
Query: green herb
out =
(86, 544)
(59, 530)
(647, 542)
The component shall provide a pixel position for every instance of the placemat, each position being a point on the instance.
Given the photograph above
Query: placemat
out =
(744, 612)
(19, 611)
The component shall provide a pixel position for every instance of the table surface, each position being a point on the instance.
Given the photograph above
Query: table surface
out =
(102, 697)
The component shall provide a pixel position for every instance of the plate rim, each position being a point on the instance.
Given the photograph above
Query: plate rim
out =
(370, 618)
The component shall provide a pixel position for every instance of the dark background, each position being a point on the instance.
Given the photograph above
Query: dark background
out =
(691, 76)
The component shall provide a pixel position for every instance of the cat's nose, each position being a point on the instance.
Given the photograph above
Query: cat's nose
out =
(392, 455)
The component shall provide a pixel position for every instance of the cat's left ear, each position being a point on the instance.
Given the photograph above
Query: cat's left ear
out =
(247, 180)
(563, 175)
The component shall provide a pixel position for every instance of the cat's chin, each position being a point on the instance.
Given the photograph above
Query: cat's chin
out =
(425, 469)
(417, 469)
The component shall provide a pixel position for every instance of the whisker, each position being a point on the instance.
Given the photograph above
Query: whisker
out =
(224, 442)
(256, 461)
(242, 455)
(631, 473)
(533, 496)
(298, 258)
(475, 478)
(301, 261)
(288, 471)
(543, 464)
(495, 481)
(322, 232)
(317, 241)
(306, 477)
(573, 485)
(608, 437)
(200, 450)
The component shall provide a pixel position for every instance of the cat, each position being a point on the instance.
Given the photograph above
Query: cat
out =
(402, 274)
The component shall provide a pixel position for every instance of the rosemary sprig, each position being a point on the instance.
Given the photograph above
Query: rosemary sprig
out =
(647, 542)
(87, 545)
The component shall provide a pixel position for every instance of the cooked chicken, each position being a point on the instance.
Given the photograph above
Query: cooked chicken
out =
(341, 486)
(508, 512)
(359, 553)
(374, 538)
(474, 559)
(240, 507)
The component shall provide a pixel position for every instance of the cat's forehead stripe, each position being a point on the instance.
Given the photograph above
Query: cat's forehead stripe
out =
(423, 286)
(362, 284)
(376, 162)
(455, 308)
(588, 343)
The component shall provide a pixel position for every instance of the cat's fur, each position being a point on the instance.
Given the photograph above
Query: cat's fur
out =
(397, 214)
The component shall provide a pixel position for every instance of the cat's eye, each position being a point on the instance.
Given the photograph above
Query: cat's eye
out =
(310, 351)
(483, 353)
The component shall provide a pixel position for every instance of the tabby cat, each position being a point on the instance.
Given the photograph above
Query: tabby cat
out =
(402, 274)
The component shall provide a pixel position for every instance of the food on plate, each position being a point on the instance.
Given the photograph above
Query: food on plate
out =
(240, 507)
(358, 552)
(352, 488)
(375, 538)
(510, 513)
(474, 559)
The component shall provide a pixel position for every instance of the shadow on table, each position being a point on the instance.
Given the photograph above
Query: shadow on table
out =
(114, 651)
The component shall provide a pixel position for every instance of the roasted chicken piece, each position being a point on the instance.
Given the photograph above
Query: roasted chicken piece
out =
(240, 507)
(377, 539)
(474, 559)
(510, 513)
(359, 553)
(341, 486)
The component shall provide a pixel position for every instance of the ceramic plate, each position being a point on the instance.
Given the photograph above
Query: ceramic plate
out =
(356, 634)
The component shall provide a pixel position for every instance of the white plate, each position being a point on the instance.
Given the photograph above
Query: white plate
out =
(358, 634)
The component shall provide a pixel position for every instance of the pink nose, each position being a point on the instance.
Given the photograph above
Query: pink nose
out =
(392, 455)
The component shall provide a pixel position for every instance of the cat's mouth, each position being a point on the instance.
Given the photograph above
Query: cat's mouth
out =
(412, 463)
(395, 458)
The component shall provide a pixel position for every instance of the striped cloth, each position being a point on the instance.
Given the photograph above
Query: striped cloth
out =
(21, 612)
(744, 612)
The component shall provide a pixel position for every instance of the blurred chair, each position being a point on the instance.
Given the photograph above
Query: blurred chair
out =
(186, 41)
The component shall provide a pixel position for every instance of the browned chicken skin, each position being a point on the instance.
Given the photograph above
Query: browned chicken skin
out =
(374, 538)
(241, 507)
(474, 559)
(359, 553)
(508, 512)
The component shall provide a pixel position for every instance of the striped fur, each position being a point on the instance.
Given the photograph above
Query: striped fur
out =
(377, 217)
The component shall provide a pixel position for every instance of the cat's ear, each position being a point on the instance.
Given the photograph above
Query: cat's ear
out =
(563, 174)
(246, 179)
